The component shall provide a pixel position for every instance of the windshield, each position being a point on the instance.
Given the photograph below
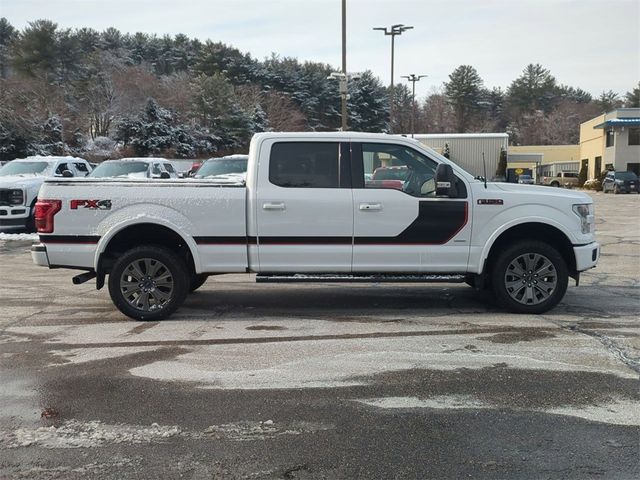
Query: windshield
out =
(24, 168)
(626, 176)
(119, 169)
(222, 166)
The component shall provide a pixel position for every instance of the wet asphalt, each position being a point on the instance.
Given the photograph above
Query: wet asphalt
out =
(334, 381)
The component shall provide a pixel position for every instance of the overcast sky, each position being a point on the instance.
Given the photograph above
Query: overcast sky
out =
(590, 44)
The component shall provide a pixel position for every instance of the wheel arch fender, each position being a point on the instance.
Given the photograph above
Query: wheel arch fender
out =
(519, 228)
(120, 227)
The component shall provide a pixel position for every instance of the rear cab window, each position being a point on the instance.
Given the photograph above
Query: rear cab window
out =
(305, 164)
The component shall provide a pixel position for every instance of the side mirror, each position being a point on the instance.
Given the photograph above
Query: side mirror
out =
(165, 175)
(445, 181)
(67, 173)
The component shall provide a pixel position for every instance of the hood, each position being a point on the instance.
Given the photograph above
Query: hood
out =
(21, 181)
(521, 188)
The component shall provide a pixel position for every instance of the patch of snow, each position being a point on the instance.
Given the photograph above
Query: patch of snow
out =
(84, 355)
(446, 402)
(75, 434)
(617, 412)
(19, 237)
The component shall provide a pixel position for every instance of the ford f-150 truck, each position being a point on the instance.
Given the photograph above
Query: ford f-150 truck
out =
(308, 213)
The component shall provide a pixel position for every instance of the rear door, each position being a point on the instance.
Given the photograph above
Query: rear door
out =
(404, 227)
(304, 207)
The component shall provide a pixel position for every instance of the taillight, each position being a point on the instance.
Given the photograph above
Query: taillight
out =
(45, 210)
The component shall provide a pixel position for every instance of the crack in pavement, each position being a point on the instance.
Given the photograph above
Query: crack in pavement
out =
(610, 345)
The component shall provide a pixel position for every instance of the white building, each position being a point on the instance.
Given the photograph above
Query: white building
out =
(467, 149)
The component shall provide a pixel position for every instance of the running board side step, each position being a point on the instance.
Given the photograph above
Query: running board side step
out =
(360, 278)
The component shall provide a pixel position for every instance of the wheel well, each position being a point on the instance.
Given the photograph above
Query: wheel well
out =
(534, 231)
(144, 234)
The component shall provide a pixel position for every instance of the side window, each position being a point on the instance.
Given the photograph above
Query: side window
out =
(61, 168)
(399, 168)
(81, 167)
(304, 165)
(169, 168)
(155, 170)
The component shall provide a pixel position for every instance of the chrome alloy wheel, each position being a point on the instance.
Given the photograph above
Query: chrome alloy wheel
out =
(147, 284)
(530, 279)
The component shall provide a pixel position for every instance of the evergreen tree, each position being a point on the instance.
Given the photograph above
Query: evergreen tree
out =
(464, 91)
(367, 106)
(501, 171)
(535, 89)
(632, 98)
(7, 35)
(36, 51)
(608, 101)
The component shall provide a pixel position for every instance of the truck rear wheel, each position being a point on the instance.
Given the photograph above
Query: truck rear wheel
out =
(529, 277)
(148, 283)
(197, 280)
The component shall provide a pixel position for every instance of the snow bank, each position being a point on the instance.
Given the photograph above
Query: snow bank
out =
(22, 237)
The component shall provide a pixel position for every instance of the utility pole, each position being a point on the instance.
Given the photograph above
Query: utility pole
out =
(413, 78)
(394, 30)
(343, 95)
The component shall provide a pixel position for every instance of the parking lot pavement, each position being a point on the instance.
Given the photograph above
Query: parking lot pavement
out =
(324, 381)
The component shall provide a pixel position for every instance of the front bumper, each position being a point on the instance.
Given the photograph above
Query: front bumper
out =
(13, 217)
(587, 256)
(39, 255)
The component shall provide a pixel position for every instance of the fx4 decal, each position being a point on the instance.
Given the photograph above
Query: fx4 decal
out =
(91, 204)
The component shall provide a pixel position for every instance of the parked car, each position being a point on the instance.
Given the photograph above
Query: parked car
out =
(304, 216)
(525, 180)
(20, 181)
(135, 168)
(621, 182)
(389, 177)
(232, 168)
(562, 179)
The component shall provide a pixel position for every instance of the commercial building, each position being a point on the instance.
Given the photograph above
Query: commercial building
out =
(467, 149)
(542, 160)
(611, 141)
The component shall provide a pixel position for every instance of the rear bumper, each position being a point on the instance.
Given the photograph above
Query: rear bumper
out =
(39, 255)
(587, 256)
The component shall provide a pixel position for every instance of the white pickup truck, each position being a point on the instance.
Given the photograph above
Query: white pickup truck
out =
(310, 211)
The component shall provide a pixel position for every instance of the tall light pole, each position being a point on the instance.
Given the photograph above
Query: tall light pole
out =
(393, 30)
(413, 78)
(344, 64)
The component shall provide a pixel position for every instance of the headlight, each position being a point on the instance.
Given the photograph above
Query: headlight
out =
(587, 218)
(16, 197)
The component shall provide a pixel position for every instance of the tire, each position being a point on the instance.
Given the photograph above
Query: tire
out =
(197, 280)
(535, 295)
(30, 226)
(166, 283)
(555, 184)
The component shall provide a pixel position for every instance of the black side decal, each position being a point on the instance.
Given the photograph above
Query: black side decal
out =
(88, 239)
(220, 240)
(437, 223)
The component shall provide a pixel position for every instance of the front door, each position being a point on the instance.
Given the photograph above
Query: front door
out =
(304, 207)
(399, 223)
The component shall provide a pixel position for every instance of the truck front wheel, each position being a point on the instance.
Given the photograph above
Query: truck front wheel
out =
(148, 283)
(529, 277)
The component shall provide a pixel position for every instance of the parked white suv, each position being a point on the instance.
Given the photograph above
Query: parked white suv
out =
(20, 181)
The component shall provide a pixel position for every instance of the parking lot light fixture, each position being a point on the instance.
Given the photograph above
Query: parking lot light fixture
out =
(392, 31)
(413, 78)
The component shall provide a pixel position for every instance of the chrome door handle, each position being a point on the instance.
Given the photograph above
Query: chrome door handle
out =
(370, 206)
(273, 206)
